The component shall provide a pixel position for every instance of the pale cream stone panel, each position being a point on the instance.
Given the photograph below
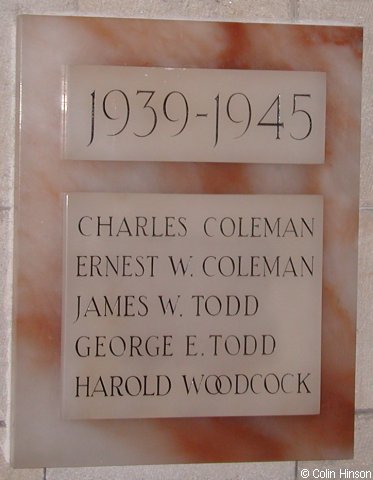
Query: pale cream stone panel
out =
(9, 473)
(238, 471)
(7, 95)
(242, 10)
(364, 354)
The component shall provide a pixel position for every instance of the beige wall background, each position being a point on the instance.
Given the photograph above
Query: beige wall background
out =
(355, 12)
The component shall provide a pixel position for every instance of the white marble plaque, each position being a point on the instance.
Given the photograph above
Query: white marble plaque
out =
(198, 115)
(191, 305)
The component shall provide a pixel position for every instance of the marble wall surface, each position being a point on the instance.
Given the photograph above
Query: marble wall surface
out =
(325, 11)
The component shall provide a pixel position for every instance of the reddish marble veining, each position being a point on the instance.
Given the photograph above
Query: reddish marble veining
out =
(48, 44)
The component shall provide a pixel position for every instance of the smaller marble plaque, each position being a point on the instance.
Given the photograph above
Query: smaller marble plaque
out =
(191, 305)
(194, 115)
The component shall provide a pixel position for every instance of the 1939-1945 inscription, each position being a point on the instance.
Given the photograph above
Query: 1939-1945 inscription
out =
(203, 115)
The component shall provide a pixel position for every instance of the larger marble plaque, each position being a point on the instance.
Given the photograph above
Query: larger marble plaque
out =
(191, 305)
(48, 47)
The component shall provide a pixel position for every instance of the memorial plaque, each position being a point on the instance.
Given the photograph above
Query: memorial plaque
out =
(186, 241)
